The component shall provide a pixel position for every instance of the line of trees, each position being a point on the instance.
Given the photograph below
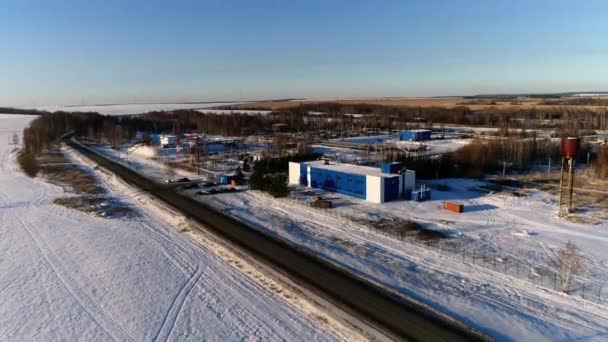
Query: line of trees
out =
(270, 174)
(473, 160)
(580, 101)
(482, 156)
(569, 119)
(600, 164)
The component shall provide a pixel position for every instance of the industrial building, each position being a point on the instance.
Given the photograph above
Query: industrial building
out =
(164, 140)
(415, 135)
(378, 185)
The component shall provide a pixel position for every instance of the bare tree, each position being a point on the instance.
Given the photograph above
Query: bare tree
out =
(15, 139)
(279, 143)
(568, 261)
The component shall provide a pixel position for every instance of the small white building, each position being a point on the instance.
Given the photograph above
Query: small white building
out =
(377, 185)
(167, 140)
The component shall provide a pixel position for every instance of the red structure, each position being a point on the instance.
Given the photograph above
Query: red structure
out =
(570, 147)
(455, 207)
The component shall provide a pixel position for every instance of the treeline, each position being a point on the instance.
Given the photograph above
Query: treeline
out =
(600, 164)
(11, 110)
(579, 101)
(481, 157)
(473, 160)
(47, 128)
(270, 174)
(570, 119)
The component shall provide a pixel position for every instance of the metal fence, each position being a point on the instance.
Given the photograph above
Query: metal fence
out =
(544, 277)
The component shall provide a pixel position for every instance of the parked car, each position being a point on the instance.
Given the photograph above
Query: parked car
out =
(190, 186)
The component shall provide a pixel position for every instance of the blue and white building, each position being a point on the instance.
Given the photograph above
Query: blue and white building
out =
(415, 135)
(377, 185)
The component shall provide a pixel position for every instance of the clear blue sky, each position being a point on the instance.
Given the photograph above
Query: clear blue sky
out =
(69, 52)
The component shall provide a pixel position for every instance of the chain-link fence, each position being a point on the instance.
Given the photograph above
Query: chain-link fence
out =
(544, 277)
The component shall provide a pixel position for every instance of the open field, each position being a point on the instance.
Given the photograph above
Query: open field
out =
(70, 276)
(448, 102)
(132, 108)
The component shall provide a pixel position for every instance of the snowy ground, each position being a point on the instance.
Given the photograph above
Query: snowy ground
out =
(133, 108)
(149, 167)
(69, 276)
(526, 227)
(435, 146)
(502, 306)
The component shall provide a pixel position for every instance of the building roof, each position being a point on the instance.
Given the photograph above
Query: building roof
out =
(417, 130)
(350, 168)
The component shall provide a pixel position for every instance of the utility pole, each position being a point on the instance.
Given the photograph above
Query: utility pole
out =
(561, 184)
(198, 159)
(549, 167)
(570, 182)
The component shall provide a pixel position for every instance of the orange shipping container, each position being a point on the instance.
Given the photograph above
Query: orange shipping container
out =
(455, 207)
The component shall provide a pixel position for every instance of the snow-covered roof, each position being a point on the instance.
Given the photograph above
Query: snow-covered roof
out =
(417, 130)
(350, 168)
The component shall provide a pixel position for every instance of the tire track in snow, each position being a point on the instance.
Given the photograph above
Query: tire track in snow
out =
(103, 319)
(546, 227)
(159, 240)
(172, 314)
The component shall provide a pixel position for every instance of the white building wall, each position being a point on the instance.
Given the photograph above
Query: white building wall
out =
(374, 191)
(308, 177)
(167, 140)
(294, 173)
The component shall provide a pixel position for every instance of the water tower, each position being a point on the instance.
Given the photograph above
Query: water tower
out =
(570, 147)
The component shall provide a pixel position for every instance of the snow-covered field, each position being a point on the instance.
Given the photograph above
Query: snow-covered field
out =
(502, 306)
(66, 275)
(134, 108)
(234, 111)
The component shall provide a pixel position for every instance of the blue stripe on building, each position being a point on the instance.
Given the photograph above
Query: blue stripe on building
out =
(340, 182)
(415, 135)
(391, 188)
(303, 174)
